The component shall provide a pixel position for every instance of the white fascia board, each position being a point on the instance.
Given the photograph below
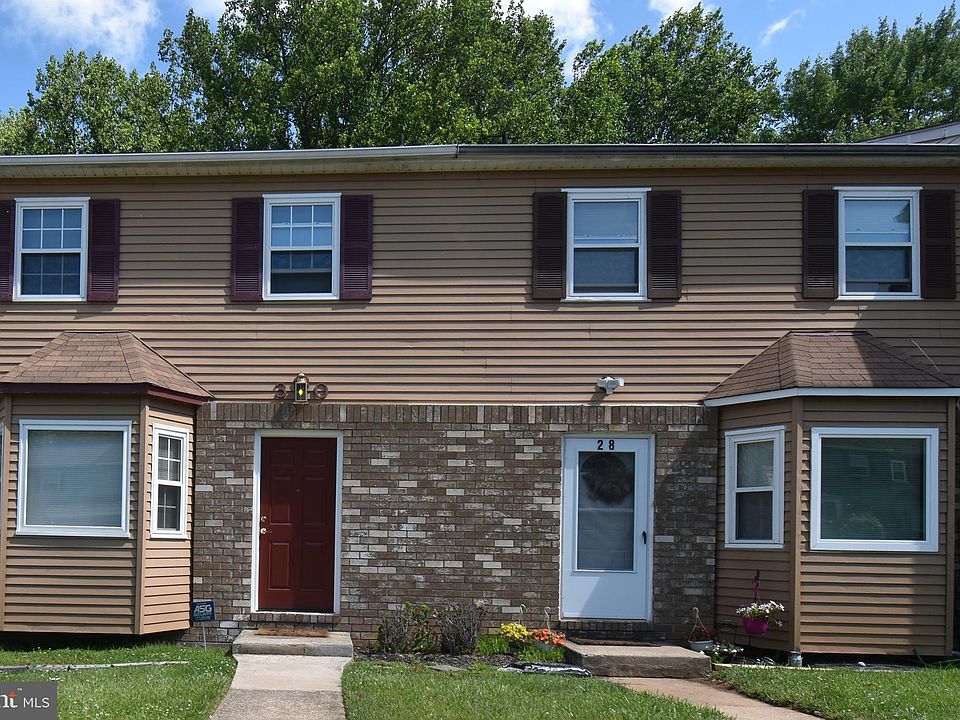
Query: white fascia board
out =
(833, 392)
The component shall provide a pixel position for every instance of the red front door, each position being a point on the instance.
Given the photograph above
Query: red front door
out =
(298, 505)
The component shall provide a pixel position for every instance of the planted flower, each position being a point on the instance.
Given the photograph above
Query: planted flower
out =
(515, 634)
(548, 638)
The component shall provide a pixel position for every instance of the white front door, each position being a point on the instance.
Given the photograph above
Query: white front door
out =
(606, 540)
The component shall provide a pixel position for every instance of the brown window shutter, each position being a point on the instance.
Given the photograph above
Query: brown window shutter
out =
(103, 251)
(820, 243)
(938, 242)
(246, 270)
(356, 247)
(664, 245)
(549, 245)
(7, 248)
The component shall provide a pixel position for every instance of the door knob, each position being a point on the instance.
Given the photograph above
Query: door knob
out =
(264, 531)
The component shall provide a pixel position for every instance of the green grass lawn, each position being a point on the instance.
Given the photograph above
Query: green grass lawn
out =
(178, 692)
(393, 691)
(853, 695)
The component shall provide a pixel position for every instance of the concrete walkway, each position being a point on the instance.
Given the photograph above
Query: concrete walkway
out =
(703, 692)
(284, 687)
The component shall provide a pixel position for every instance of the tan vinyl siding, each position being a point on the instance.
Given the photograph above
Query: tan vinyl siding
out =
(69, 584)
(451, 319)
(737, 567)
(880, 602)
(165, 580)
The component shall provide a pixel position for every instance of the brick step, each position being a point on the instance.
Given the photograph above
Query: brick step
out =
(665, 661)
(336, 644)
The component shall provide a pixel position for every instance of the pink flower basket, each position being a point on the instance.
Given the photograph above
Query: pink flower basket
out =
(755, 626)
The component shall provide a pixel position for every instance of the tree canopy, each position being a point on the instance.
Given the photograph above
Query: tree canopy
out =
(880, 82)
(651, 88)
(278, 74)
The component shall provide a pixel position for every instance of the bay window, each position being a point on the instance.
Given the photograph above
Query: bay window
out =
(874, 489)
(74, 478)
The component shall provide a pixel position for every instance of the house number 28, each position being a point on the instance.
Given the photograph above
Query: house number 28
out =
(611, 444)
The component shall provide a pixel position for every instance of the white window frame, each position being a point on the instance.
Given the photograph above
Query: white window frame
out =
(931, 489)
(66, 203)
(638, 195)
(23, 441)
(732, 439)
(332, 199)
(872, 193)
(183, 435)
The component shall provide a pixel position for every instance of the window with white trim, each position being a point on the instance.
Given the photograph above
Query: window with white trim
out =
(874, 489)
(51, 252)
(301, 246)
(74, 478)
(754, 487)
(170, 459)
(606, 244)
(879, 243)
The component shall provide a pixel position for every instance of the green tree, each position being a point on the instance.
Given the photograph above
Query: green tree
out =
(92, 105)
(341, 73)
(878, 82)
(687, 82)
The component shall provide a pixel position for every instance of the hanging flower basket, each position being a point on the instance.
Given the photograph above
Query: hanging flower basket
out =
(757, 616)
(755, 625)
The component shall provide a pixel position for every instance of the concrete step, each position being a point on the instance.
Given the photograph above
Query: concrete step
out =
(663, 661)
(336, 644)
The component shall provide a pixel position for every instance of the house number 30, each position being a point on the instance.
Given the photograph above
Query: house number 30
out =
(611, 444)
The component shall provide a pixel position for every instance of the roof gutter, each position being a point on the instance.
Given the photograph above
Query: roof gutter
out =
(33, 388)
(458, 158)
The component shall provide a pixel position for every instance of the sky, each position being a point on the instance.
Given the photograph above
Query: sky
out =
(129, 30)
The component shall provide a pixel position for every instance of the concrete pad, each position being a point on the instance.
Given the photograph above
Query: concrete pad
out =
(706, 694)
(660, 661)
(336, 644)
(285, 672)
(280, 705)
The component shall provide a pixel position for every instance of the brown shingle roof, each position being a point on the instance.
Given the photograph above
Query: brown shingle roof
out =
(831, 359)
(116, 359)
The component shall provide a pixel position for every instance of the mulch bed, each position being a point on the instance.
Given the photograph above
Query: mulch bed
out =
(463, 661)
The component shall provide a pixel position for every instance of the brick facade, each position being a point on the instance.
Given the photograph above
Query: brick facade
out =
(452, 504)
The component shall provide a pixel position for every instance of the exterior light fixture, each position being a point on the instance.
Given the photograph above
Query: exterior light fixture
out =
(300, 387)
(609, 384)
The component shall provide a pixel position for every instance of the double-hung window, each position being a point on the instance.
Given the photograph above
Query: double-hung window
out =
(606, 244)
(879, 243)
(170, 458)
(74, 478)
(754, 487)
(874, 489)
(51, 256)
(301, 246)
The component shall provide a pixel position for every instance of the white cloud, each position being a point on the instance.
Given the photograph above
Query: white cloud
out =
(779, 26)
(210, 9)
(575, 20)
(669, 7)
(117, 27)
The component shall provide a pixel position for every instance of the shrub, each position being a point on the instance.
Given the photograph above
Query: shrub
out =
(405, 631)
(460, 627)
(532, 653)
(492, 645)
